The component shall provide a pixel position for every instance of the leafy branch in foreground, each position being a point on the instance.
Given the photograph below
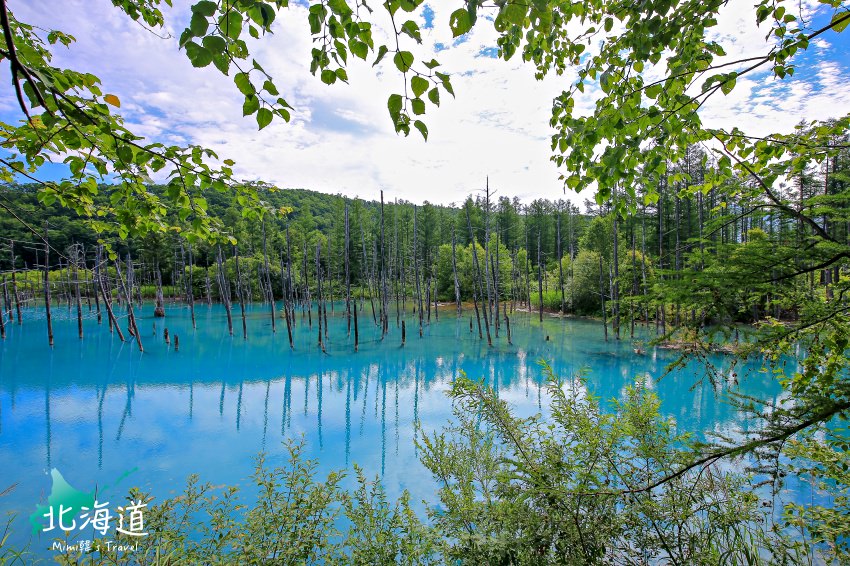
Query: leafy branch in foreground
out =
(67, 115)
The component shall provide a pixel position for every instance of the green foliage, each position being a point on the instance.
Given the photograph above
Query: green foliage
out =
(827, 465)
(292, 519)
(586, 486)
(66, 115)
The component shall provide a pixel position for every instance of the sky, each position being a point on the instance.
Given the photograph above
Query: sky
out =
(341, 140)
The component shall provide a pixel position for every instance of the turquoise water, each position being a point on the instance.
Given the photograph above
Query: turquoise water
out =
(96, 408)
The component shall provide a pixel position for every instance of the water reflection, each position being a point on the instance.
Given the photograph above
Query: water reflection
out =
(96, 408)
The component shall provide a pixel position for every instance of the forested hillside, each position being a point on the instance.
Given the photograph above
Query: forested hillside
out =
(702, 257)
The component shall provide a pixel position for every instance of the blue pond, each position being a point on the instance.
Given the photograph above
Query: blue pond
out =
(96, 408)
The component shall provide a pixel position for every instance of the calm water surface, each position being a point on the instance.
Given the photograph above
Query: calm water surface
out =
(96, 408)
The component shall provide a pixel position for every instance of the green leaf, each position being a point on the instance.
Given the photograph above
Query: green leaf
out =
(205, 8)
(460, 22)
(653, 91)
(403, 61)
(444, 79)
(251, 105)
(231, 24)
(382, 50)
(222, 63)
(198, 25)
(840, 21)
(328, 77)
(199, 56)
(423, 129)
(270, 88)
(419, 85)
(243, 83)
(264, 117)
(434, 96)
(515, 13)
(268, 15)
(418, 106)
(214, 44)
(411, 28)
(359, 49)
(394, 104)
(729, 84)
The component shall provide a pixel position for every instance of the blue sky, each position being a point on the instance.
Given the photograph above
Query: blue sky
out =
(340, 139)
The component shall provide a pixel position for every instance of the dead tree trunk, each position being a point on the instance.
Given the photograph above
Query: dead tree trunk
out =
(539, 277)
(347, 272)
(284, 290)
(476, 277)
(560, 262)
(15, 284)
(47, 285)
(240, 292)
(268, 278)
(602, 298)
(308, 299)
(454, 272)
(159, 310)
(224, 290)
(190, 286)
(319, 292)
(76, 260)
(127, 290)
(107, 302)
(416, 273)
